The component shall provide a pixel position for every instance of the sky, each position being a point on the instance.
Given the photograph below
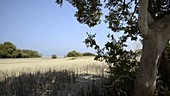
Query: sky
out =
(46, 27)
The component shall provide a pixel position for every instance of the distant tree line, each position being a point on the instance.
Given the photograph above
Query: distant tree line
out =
(78, 54)
(88, 54)
(9, 50)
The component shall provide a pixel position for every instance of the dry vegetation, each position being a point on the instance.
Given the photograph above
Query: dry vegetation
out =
(78, 64)
(80, 76)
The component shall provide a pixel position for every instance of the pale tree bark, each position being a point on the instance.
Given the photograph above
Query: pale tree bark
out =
(144, 17)
(155, 36)
(145, 84)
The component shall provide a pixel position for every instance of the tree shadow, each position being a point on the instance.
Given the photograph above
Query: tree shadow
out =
(52, 83)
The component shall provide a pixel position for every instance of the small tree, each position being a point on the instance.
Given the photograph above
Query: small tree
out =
(7, 50)
(54, 56)
(74, 54)
(147, 18)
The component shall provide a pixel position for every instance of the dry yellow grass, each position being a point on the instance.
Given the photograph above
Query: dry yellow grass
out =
(78, 64)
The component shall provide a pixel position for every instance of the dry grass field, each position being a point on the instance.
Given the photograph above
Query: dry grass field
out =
(78, 76)
(77, 64)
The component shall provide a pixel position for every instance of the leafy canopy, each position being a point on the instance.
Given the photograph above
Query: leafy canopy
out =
(9, 50)
(122, 16)
(74, 54)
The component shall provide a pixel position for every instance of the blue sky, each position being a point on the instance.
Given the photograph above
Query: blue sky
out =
(44, 26)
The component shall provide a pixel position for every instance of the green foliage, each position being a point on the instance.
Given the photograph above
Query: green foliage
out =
(9, 50)
(122, 64)
(122, 16)
(74, 54)
(89, 11)
(54, 56)
(159, 8)
(88, 54)
(29, 54)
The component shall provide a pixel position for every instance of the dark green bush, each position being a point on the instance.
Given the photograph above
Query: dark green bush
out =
(9, 50)
(74, 54)
(54, 56)
(88, 54)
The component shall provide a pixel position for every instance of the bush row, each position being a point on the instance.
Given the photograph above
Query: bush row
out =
(78, 54)
(9, 50)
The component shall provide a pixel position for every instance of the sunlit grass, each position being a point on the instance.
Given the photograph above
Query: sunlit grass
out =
(44, 64)
(51, 77)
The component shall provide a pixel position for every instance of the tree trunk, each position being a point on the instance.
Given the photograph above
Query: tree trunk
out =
(155, 34)
(153, 46)
(164, 68)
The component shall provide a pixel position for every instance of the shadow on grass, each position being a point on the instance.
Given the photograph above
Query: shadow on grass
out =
(52, 83)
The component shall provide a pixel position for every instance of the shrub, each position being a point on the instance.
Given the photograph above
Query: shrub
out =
(54, 56)
(74, 54)
(88, 54)
(9, 50)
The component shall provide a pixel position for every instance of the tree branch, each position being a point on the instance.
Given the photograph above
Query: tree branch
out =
(144, 18)
(163, 27)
